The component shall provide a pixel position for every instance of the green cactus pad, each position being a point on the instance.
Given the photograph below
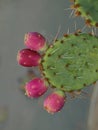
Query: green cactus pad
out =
(89, 10)
(71, 63)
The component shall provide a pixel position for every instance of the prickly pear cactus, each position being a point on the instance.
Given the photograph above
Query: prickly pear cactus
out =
(88, 9)
(71, 63)
(68, 65)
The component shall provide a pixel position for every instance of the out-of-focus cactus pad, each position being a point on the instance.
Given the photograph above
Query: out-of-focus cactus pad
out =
(88, 9)
(71, 63)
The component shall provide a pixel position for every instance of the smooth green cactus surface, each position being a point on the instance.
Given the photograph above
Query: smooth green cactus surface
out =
(71, 63)
(89, 10)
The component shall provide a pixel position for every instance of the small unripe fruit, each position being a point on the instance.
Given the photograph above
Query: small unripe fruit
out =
(54, 102)
(28, 58)
(36, 88)
(35, 41)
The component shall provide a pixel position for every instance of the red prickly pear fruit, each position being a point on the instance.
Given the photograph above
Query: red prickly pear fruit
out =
(36, 88)
(35, 41)
(54, 102)
(28, 58)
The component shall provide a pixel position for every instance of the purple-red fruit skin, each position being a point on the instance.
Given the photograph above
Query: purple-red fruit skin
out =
(35, 88)
(54, 102)
(34, 41)
(28, 58)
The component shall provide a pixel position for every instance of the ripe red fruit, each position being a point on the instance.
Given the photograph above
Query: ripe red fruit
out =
(28, 58)
(54, 102)
(35, 41)
(36, 87)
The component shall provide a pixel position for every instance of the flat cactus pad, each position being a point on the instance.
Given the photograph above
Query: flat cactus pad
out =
(71, 63)
(88, 9)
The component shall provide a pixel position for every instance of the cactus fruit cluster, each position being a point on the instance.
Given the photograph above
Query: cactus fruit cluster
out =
(87, 9)
(67, 65)
(32, 56)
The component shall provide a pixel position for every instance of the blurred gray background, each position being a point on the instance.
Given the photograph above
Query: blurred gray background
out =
(16, 111)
